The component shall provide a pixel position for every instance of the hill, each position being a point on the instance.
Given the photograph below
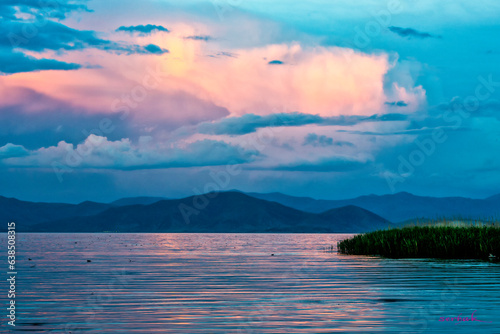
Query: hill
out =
(143, 200)
(29, 213)
(224, 212)
(398, 207)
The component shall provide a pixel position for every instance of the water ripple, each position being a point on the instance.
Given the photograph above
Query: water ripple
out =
(230, 283)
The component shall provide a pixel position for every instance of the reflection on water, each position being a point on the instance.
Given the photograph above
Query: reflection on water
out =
(231, 283)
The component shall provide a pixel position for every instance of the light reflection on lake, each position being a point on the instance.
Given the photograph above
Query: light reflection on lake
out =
(230, 283)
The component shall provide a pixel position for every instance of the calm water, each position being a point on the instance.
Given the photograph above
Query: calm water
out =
(230, 283)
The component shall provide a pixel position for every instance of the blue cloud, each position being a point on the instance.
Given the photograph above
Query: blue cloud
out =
(385, 118)
(397, 104)
(143, 29)
(12, 151)
(152, 48)
(410, 33)
(56, 36)
(17, 35)
(199, 38)
(54, 121)
(408, 132)
(58, 120)
(227, 54)
(250, 123)
(47, 9)
(124, 155)
(323, 141)
(16, 62)
(275, 62)
(325, 164)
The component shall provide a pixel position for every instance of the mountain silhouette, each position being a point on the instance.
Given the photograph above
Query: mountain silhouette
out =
(214, 212)
(235, 211)
(399, 207)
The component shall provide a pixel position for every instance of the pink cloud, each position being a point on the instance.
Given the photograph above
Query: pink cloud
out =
(324, 81)
(197, 81)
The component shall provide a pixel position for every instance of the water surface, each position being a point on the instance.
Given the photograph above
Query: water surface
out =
(231, 283)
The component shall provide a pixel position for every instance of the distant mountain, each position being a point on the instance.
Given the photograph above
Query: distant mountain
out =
(225, 212)
(358, 219)
(398, 207)
(239, 212)
(143, 200)
(307, 204)
(28, 213)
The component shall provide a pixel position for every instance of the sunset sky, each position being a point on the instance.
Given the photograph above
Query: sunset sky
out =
(330, 99)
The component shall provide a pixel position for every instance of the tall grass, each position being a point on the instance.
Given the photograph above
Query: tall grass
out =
(451, 241)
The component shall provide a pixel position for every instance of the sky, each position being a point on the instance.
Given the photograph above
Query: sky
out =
(329, 99)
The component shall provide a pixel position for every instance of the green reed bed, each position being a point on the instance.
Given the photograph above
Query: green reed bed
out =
(446, 242)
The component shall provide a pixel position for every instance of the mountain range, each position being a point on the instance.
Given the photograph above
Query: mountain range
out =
(235, 211)
(215, 212)
(399, 207)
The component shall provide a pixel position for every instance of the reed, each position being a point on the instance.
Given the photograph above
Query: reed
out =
(446, 240)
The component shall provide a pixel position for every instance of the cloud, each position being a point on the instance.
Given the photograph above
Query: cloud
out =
(48, 9)
(37, 32)
(97, 152)
(16, 62)
(30, 35)
(152, 48)
(275, 62)
(385, 118)
(315, 140)
(410, 33)
(323, 141)
(323, 164)
(205, 38)
(337, 82)
(250, 123)
(458, 105)
(12, 151)
(455, 116)
(407, 132)
(57, 36)
(397, 104)
(227, 54)
(34, 119)
(143, 29)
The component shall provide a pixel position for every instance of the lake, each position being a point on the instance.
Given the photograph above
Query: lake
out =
(231, 283)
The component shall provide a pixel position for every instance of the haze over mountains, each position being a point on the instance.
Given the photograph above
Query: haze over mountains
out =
(235, 211)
